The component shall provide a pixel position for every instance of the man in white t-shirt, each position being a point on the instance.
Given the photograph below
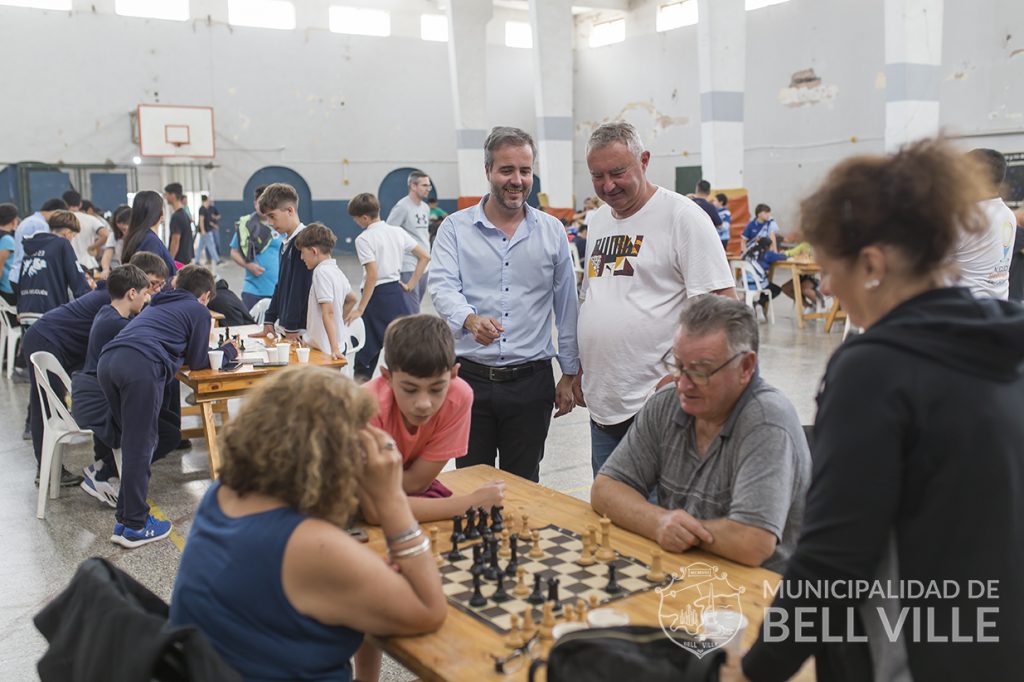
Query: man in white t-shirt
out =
(984, 257)
(412, 214)
(649, 249)
(91, 237)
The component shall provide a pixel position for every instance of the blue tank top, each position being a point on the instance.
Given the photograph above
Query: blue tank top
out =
(229, 586)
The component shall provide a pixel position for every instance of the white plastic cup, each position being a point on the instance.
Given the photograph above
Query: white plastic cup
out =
(562, 629)
(607, 618)
(302, 354)
(216, 359)
(282, 351)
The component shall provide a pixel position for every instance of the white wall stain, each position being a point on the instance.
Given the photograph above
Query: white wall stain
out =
(661, 120)
(805, 88)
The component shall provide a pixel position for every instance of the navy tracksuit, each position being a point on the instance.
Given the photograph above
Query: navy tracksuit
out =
(64, 332)
(151, 242)
(136, 372)
(291, 294)
(49, 270)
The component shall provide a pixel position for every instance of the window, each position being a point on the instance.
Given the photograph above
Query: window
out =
(278, 14)
(518, 34)
(434, 27)
(359, 21)
(63, 5)
(758, 4)
(172, 10)
(608, 32)
(677, 15)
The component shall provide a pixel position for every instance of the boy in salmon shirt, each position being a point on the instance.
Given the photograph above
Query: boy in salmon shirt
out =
(425, 407)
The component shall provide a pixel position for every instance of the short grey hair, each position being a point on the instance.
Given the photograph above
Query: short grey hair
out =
(707, 314)
(616, 131)
(414, 176)
(502, 136)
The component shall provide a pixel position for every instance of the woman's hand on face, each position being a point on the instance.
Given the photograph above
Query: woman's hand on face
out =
(382, 465)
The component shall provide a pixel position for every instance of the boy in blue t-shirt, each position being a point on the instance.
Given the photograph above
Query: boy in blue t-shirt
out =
(257, 248)
(136, 370)
(721, 203)
(763, 225)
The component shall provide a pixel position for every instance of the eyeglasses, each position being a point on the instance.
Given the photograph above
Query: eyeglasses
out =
(515, 661)
(696, 376)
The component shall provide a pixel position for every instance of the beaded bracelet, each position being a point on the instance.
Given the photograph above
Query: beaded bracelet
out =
(415, 550)
(411, 534)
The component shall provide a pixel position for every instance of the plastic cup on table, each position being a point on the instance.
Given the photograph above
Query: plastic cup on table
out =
(283, 349)
(302, 354)
(216, 359)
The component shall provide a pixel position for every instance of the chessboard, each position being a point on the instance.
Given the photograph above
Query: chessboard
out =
(560, 549)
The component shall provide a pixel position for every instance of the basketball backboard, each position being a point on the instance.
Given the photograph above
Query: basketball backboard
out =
(176, 131)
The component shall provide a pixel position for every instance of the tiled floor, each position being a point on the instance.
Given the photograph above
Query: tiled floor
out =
(41, 556)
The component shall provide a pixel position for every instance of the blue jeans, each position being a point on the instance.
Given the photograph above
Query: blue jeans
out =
(208, 245)
(602, 444)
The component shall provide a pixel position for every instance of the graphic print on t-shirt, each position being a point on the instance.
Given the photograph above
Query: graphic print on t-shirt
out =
(616, 255)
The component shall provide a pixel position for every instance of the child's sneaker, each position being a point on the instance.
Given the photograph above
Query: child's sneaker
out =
(153, 530)
(118, 531)
(104, 491)
(90, 471)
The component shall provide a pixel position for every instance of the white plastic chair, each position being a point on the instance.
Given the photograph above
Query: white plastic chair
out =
(259, 311)
(746, 275)
(59, 427)
(577, 267)
(9, 335)
(356, 340)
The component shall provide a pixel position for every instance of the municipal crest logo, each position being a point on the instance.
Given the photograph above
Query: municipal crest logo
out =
(700, 608)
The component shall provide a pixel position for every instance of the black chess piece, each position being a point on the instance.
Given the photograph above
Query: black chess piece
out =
(613, 586)
(471, 531)
(497, 521)
(478, 599)
(513, 561)
(493, 570)
(478, 561)
(537, 596)
(241, 346)
(455, 554)
(457, 529)
(500, 594)
(485, 549)
(553, 594)
(481, 523)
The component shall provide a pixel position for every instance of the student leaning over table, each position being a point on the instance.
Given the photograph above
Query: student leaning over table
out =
(269, 573)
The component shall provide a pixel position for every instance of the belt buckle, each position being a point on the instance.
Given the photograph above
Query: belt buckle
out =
(492, 373)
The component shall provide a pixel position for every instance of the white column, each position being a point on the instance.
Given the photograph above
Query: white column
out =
(721, 45)
(467, 63)
(913, 70)
(552, 25)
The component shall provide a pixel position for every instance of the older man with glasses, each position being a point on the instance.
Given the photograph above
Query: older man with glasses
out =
(723, 451)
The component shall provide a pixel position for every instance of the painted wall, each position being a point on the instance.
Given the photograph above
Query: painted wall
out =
(795, 131)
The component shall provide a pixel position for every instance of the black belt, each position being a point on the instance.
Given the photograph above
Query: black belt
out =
(502, 374)
(615, 430)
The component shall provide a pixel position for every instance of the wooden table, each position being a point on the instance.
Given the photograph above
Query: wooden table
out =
(212, 387)
(801, 267)
(461, 649)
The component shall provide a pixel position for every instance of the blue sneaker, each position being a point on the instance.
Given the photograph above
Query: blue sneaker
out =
(153, 530)
(118, 531)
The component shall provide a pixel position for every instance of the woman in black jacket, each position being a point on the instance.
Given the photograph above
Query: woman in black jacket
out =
(911, 561)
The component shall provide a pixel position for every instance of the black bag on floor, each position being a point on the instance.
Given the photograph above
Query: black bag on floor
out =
(623, 653)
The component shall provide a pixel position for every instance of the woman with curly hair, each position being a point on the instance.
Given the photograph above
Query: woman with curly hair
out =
(269, 573)
(918, 478)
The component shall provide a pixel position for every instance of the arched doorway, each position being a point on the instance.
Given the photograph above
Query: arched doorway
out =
(271, 174)
(394, 186)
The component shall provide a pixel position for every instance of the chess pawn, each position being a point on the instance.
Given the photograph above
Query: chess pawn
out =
(529, 626)
(570, 613)
(587, 554)
(433, 546)
(656, 575)
(521, 589)
(524, 530)
(593, 601)
(606, 553)
(547, 623)
(535, 552)
(515, 635)
(581, 611)
(504, 552)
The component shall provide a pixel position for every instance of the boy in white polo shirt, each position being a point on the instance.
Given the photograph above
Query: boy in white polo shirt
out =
(380, 249)
(330, 295)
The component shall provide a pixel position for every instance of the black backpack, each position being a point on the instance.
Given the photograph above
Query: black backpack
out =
(629, 652)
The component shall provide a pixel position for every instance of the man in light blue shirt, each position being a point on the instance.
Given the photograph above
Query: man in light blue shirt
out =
(498, 271)
(35, 223)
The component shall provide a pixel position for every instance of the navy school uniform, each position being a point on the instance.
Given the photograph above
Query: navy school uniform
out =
(136, 372)
(49, 270)
(63, 332)
(291, 295)
(387, 303)
(151, 243)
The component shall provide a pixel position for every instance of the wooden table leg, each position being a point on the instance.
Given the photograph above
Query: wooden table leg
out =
(210, 431)
(832, 315)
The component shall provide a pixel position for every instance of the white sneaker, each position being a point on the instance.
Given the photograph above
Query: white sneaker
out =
(104, 491)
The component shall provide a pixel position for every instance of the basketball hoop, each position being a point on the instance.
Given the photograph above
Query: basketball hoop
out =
(175, 131)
